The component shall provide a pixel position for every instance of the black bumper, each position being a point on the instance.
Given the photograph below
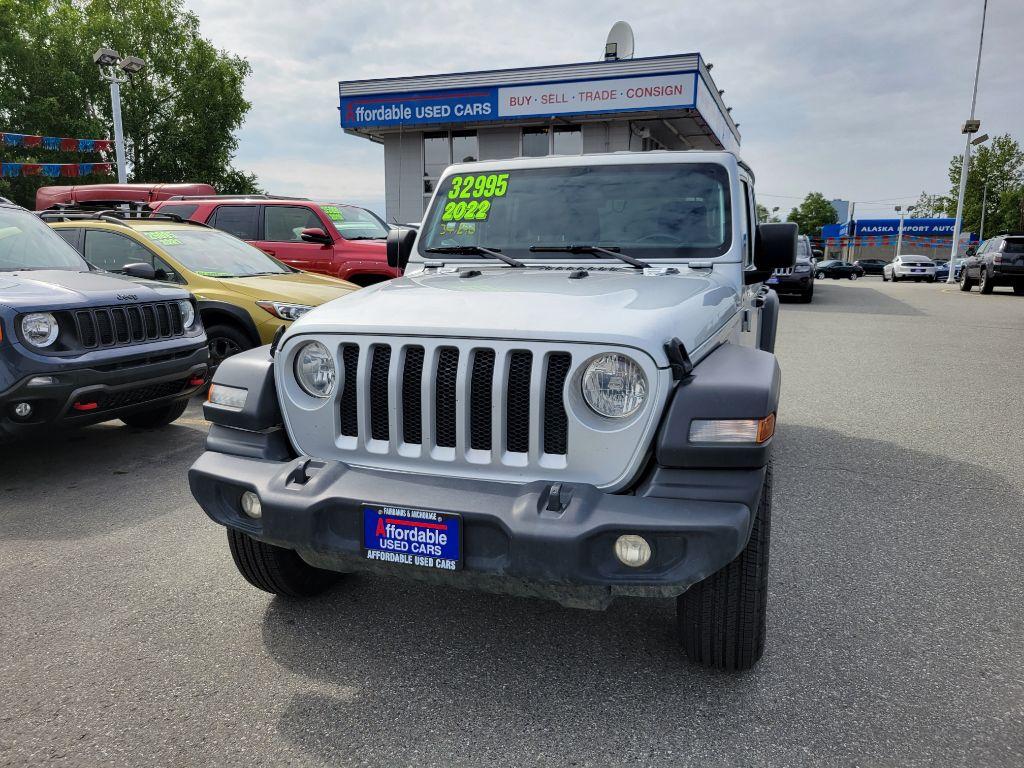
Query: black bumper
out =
(511, 542)
(114, 391)
(792, 284)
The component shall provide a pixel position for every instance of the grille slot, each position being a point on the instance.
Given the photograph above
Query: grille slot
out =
(349, 396)
(444, 397)
(124, 325)
(379, 419)
(556, 422)
(142, 394)
(412, 401)
(480, 394)
(517, 409)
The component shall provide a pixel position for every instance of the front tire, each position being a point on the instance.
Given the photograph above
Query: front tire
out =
(223, 342)
(157, 417)
(884, 278)
(722, 619)
(277, 570)
(819, 275)
(1018, 289)
(965, 281)
(985, 281)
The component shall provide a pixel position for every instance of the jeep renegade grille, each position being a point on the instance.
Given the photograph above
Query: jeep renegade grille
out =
(132, 324)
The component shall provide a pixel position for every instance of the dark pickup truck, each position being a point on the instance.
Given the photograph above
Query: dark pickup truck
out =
(80, 346)
(997, 261)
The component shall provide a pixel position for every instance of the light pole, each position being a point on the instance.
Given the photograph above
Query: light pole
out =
(984, 190)
(109, 61)
(899, 234)
(970, 128)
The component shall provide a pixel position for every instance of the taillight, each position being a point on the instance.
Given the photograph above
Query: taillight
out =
(997, 258)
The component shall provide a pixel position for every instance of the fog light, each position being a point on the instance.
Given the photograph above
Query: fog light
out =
(251, 505)
(41, 381)
(23, 410)
(632, 550)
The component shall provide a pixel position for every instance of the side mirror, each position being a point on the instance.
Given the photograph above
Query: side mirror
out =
(775, 247)
(316, 235)
(400, 240)
(140, 270)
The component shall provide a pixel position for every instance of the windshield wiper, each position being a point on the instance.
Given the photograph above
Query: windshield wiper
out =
(477, 250)
(595, 249)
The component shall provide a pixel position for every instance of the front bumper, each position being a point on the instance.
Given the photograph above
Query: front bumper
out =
(789, 284)
(512, 542)
(116, 391)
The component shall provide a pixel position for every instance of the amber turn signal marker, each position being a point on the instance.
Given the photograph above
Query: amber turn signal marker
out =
(766, 428)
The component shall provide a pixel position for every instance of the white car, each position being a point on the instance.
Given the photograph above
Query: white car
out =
(909, 267)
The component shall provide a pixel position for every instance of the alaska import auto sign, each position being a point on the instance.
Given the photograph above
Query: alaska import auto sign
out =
(474, 105)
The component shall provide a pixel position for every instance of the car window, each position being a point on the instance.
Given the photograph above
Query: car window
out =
(69, 236)
(185, 210)
(238, 220)
(211, 253)
(284, 223)
(27, 243)
(354, 223)
(1013, 245)
(111, 251)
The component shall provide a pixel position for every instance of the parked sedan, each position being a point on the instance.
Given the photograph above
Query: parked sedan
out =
(871, 266)
(942, 269)
(908, 266)
(836, 269)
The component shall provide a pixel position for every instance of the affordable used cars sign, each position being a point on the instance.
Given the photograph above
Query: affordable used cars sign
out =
(474, 105)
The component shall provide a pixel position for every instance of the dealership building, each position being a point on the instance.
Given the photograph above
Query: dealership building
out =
(425, 123)
(877, 238)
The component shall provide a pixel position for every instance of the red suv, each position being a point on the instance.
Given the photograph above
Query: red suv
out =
(330, 238)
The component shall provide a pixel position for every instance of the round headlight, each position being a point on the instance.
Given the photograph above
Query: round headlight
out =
(314, 369)
(39, 329)
(614, 386)
(188, 315)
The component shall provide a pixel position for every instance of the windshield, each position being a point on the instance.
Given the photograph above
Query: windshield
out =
(27, 243)
(212, 253)
(354, 223)
(677, 211)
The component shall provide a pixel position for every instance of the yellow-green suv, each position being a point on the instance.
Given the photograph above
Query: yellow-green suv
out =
(243, 295)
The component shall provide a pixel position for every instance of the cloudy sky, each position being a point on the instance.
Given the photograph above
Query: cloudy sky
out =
(861, 100)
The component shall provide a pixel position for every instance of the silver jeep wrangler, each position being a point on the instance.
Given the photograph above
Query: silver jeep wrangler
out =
(570, 394)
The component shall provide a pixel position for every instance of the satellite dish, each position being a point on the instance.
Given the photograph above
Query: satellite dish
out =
(619, 44)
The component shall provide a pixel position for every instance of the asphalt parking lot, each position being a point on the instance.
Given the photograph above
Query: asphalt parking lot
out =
(895, 609)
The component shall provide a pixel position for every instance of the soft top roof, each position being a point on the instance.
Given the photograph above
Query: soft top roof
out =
(107, 194)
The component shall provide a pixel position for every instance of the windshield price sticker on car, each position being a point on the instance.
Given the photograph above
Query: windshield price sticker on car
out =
(163, 238)
(471, 196)
(412, 537)
(333, 212)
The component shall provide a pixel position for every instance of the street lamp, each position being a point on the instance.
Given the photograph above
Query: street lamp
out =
(971, 127)
(899, 235)
(111, 63)
(984, 191)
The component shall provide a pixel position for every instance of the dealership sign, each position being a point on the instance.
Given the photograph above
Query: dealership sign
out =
(474, 105)
(910, 227)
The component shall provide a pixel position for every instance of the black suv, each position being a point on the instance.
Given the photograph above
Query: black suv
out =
(998, 261)
(80, 346)
(798, 279)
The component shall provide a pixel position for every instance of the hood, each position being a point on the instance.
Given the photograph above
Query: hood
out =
(292, 287)
(54, 289)
(607, 307)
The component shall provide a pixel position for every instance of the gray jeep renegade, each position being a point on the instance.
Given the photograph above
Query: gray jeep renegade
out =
(570, 394)
(80, 346)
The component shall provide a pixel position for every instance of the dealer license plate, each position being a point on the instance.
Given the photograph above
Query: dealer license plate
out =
(772, 280)
(412, 537)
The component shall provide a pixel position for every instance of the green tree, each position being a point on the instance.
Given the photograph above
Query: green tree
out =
(180, 113)
(929, 206)
(812, 214)
(999, 165)
(764, 215)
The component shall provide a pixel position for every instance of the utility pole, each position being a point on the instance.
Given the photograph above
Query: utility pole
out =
(971, 127)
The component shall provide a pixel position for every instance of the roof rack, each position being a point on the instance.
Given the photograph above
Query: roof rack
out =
(119, 217)
(234, 197)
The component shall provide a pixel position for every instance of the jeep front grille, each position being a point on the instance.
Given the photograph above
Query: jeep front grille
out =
(491, 409)
(132, 324)
(783, 271)
(463, 395)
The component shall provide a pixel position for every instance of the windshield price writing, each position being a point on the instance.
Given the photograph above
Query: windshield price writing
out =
(471, 196)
